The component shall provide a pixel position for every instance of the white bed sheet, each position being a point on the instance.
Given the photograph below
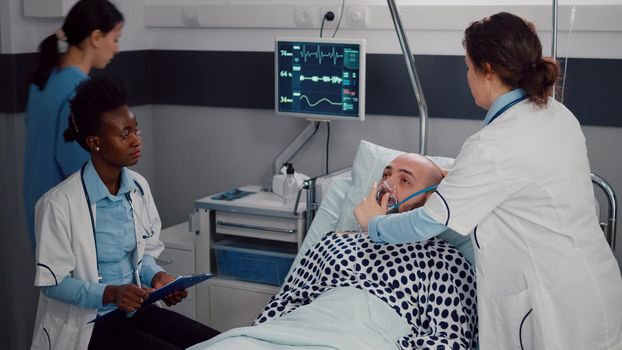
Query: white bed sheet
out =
(248, 343)
(342, 318)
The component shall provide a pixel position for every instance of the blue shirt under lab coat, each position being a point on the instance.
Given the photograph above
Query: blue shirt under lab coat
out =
(416, 225)
(48, 158)
(116, 241)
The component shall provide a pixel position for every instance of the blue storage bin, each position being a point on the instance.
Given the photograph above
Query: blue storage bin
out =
(247, 262)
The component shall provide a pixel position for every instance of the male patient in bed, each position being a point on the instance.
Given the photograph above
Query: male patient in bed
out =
(429, 284)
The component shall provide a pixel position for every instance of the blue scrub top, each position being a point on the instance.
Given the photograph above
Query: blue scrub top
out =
(49, 159)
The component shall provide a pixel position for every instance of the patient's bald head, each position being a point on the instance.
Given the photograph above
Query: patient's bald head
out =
(409, 173)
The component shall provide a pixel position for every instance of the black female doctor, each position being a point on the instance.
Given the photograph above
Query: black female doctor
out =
(98, 234)
(546, 278)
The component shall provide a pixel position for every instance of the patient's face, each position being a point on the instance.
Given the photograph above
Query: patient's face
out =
(409, 173)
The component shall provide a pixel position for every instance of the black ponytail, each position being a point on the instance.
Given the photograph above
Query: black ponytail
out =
(49, 57)
(84, 18)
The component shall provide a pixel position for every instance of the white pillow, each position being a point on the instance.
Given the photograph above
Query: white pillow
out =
(443, 162)
(368, 165)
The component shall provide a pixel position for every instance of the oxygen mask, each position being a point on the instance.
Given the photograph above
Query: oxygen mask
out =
(388, 187)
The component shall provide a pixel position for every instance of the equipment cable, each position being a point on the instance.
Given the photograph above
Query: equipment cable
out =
(328, 16)
(327, 144)
(343, 3)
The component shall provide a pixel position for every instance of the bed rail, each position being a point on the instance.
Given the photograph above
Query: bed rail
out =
(609, 227)
(309, 186)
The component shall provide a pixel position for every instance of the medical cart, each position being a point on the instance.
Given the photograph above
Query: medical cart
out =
(248, 243)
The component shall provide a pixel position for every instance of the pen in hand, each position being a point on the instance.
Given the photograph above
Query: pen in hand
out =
(127, 297)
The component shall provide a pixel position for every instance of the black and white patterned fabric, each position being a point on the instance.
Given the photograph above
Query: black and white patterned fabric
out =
(428, 283)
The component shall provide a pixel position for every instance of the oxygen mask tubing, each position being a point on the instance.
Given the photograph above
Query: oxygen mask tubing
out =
(394, 205)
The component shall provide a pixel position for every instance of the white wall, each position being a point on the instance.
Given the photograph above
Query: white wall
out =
(433, 26)
(431, 29)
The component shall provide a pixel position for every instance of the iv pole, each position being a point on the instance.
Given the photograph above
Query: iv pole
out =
(610, 226)
(554, 41)
(414, 79)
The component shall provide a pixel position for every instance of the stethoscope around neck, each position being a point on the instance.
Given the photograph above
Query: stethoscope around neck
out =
(506, 107)
(149, 232)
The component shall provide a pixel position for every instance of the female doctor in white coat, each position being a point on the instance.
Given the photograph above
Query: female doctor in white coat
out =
(98, 239)
(546, 278)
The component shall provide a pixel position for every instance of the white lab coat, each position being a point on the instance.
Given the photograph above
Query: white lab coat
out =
(66, 247)
(546, 278)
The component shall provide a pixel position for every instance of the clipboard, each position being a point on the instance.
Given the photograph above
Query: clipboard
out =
(181, 282)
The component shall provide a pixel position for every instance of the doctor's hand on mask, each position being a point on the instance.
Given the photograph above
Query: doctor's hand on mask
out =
(369, 208)
(127, 297)
(161, 279)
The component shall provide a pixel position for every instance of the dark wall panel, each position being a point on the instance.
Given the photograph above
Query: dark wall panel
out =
(214, 78)
(592, 91)
(246, 80)
(135, 68)
(15, 72)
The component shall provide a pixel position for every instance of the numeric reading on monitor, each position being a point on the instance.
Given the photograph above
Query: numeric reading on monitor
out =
(318, 78)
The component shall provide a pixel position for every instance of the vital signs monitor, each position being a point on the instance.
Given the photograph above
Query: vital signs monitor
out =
(320, 78)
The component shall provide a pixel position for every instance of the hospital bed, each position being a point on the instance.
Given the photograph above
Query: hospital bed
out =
(351, 327)
(342, 319)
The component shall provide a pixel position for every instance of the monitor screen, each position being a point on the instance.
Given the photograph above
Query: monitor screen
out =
(320, 78)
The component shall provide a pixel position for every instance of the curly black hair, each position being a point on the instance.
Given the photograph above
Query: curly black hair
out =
(94, 97)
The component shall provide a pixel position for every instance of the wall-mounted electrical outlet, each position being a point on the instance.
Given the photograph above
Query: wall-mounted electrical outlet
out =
(47, 8)
(190, 17)
(356, 16)
(306, 16)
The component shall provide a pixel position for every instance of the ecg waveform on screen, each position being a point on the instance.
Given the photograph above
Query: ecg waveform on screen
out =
(319, 101)
(319, 55)
(325, 79)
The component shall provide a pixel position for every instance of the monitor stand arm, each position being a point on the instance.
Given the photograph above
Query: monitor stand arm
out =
(414, 79)
(295, 146)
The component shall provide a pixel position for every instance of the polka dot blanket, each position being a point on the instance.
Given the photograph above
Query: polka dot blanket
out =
(429, 284)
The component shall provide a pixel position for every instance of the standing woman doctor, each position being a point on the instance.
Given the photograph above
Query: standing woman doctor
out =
(91, 30)
(546, 278)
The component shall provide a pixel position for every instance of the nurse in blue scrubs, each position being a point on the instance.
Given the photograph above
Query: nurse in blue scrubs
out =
(91, 30)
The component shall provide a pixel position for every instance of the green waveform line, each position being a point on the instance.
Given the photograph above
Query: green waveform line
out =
(325, 79)
(319, 55)
(319, 101)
